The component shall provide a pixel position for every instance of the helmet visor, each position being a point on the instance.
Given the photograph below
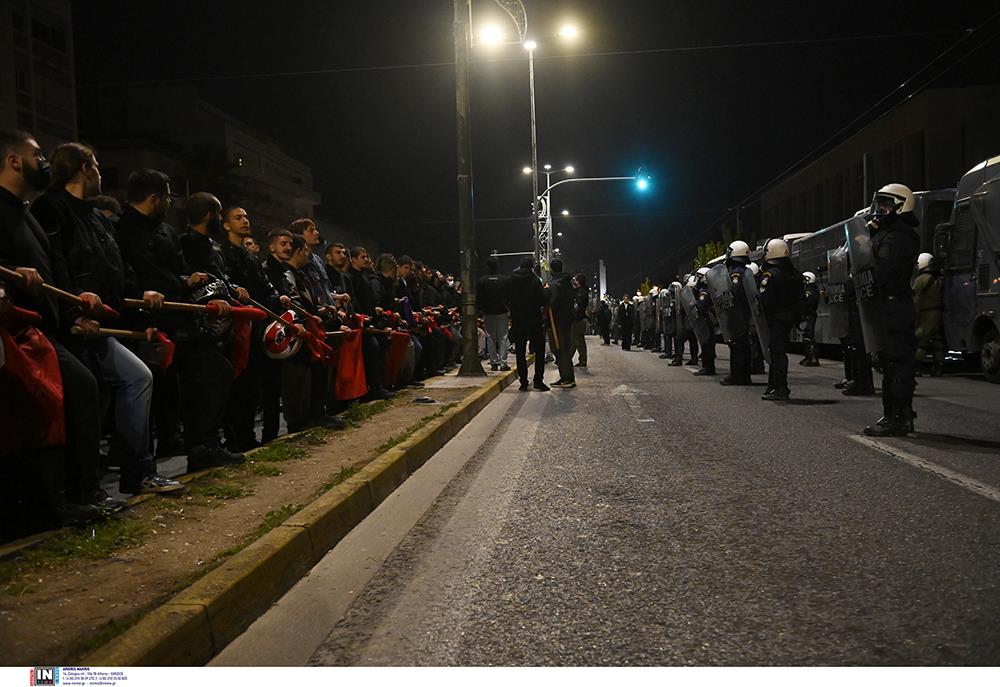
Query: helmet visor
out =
(884, 204)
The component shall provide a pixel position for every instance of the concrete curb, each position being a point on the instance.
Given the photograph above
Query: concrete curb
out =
(197, 623)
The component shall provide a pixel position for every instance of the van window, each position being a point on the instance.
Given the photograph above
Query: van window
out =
(962, 250)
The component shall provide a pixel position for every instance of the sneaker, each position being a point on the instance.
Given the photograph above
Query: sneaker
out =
(693, 363)
(204, 457)
(776, 395)
(676, 362)
(704, 372)
(664, 356)
(540, 386)
(152, 484)
(105, 504)
(494, 367)
(504, 367)
(523, 386)
(730, 380)
(566, 385)
(841, 384)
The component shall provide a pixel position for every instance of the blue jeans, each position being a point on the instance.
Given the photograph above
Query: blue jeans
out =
(132, 383)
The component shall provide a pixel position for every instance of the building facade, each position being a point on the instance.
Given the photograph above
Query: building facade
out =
(37, 84)
(927, 143)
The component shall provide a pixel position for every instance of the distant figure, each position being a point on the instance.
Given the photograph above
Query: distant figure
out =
(526, 300)
(626, 313)
(927, 297)
(493, 301)
(560, 290)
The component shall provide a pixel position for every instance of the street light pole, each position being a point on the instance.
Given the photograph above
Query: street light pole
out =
(466, 228)
(534, 153)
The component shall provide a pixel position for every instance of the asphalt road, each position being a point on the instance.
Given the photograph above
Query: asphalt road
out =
(650, 517)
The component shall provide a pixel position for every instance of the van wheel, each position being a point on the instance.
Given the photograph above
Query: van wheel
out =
(989, 359)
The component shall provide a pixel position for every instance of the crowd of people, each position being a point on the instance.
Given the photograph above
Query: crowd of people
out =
(120, 330)
(756, 319)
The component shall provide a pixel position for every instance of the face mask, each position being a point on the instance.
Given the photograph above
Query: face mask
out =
(38, 177)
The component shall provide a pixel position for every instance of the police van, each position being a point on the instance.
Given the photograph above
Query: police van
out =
(967, 248)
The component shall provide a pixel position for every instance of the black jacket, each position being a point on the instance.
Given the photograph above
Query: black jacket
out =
(364, 296)
(153, 250)
(526, 297)
(581, 301)
(561, 298)
(23, 243)
(246, 271)
(279, 276)
(82, 243)
(895, 248)
(492, 294)
(384, 291)
(626, 313)
(781, 293)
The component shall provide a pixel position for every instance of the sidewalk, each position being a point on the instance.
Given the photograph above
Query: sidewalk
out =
(69, 595)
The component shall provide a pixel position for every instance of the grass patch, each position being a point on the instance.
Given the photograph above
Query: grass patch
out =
(395, 440)
(95, 542)
(345, 473)
(263, 469)
(317, 436)
(220, 489)
(357, 413)
(274, 518)
(279, 453)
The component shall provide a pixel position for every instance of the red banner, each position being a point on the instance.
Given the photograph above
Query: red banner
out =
(396, 356)
(32, 415)
(350, 377)
(239, 352)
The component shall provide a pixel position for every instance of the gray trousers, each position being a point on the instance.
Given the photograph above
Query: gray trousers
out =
(496, 338)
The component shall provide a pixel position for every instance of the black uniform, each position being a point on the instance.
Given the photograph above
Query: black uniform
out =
(895, 247)
(561, 304)
(526, 300)
(704, 302)
(781, 298)
(739, 348)
(811, 304)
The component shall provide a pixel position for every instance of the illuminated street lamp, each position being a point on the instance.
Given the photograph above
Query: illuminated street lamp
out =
(565, 213)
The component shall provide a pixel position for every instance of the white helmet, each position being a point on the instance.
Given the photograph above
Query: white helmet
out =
(654, 290)
(775, 248)
(809, 277)
(738, 249)
(702, 271)
(692, 280)
(924, 261)
(892, 199)
(754, 267)
(676, 283)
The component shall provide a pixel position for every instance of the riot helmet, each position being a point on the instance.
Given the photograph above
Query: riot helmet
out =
(775, 249)
(809, 277)
(738, 251)
(924, 261)
(891, 201)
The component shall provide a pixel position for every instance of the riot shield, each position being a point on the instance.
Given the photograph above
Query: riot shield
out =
(732, 320)
(859, 245)
(757, 315)
(675, 300)
(836, 292)
(699, 323)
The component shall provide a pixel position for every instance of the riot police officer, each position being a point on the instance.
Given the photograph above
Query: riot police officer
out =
(895, 246)
(737, 261)
(927, 297)
(707, 368)
(809, 329)
(780, 296)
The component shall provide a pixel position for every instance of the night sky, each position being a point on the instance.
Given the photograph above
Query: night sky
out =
(711, 126)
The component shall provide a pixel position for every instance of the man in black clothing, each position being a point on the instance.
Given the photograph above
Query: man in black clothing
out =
(493, 299)
(373, 349)
(737, 259)
(626, 316)
(83, 245)
(526, 301)
(780, 296)
(604, 321)
(895, 246)
(560, 289)
(24, 247)
(154, 251)
(246, 270)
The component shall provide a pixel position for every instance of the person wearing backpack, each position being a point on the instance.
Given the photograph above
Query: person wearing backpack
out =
(783, 300)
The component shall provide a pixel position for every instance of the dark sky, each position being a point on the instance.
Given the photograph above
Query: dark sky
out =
(710, 125)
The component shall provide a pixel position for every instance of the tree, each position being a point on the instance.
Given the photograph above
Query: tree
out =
(709, 251)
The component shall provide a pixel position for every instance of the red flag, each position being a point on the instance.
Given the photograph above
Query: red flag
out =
(350, 380)
(32, 414)
(396, 356)
(167, 348)
(239, 352)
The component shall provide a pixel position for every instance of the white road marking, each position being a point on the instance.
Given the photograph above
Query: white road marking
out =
(947, 474)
